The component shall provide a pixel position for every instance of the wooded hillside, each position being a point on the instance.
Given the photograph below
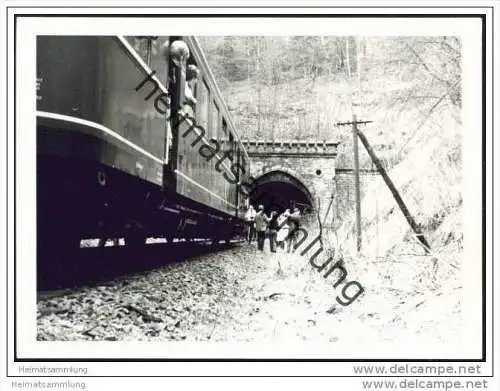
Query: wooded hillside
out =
(410, 87)
(298, 87)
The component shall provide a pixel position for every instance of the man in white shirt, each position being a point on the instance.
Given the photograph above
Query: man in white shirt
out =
(250, 219)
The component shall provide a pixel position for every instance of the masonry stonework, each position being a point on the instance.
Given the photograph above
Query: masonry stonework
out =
(313, 164)
(345, 192)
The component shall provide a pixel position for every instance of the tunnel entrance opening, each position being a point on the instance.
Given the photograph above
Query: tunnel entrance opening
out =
(278, 190)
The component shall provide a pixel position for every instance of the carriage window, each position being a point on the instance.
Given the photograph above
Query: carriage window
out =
(158, 62)
(232, 147)
(150, 50)
(214, 127)
(141, 46)
(202, 106)
(223, 136)
(238, 160)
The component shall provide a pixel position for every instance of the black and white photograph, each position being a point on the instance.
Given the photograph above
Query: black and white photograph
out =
(244, 188)
(249, 188)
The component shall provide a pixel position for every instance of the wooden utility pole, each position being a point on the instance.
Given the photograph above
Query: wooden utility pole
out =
(356, 181)
(409, 218)
(357, 192)
(380, 168)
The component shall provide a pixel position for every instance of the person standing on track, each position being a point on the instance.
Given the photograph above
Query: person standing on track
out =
(261, 222)
(273, 230)
(250, 220)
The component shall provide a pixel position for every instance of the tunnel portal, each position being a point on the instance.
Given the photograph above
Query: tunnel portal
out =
(278, 190)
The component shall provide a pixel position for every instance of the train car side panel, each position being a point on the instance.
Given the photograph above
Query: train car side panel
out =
(95, 79)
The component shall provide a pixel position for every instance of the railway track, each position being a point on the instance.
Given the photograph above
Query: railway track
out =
(195, 299)
(97, 264)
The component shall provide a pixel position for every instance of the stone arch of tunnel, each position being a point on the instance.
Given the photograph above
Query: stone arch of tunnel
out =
(279, 190)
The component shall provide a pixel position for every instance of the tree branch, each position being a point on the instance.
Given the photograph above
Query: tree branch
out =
(425, 65)
(435, 105)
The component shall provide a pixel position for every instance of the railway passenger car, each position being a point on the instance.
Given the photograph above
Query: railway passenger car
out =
(122, 150)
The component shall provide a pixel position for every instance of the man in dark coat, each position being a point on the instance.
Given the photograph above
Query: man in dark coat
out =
(261, 222)
(273, 230)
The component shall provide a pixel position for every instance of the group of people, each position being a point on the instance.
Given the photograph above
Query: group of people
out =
(281, 229)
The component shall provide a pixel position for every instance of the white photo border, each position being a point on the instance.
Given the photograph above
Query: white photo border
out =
(17, 283)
